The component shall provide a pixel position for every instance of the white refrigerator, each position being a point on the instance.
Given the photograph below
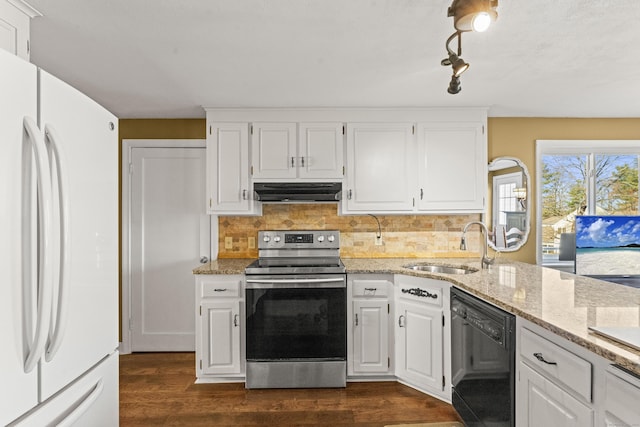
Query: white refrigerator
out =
(58, 252)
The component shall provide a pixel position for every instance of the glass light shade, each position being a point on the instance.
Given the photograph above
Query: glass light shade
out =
(481, 22)
(473, 15)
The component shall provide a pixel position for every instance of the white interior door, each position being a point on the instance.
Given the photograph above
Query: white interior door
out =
(170, 234)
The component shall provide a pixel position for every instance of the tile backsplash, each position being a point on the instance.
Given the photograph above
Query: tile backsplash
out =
(410, 236)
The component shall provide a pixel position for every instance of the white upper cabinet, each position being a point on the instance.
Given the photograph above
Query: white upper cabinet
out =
(273, 150)
(228, 189)
(380, 168)
(321, 150)
(289, 151)
(15, 17)
(452, 167)
(390, 161)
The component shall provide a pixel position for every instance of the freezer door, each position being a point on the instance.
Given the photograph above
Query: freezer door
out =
(18, 390)
(92, 400)
(86, 305)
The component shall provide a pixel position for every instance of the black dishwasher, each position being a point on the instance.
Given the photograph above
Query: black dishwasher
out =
(482, 362)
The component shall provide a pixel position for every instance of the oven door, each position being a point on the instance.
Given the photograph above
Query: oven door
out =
(299, 318)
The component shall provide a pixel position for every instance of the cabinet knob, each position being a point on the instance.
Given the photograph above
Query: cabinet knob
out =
(204, 260)
(235, 320)
(401, 321)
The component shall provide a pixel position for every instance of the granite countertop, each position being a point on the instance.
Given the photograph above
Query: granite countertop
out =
(562, 303)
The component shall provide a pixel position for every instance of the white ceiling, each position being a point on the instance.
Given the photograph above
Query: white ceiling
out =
(171, 58)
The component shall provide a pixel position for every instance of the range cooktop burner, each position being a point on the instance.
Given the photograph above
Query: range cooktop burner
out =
(298, 252)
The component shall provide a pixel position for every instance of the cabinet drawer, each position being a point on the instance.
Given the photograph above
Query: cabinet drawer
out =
(421, 290)
(622, 396)
(370, 288)
(228, 287)
(556, 363)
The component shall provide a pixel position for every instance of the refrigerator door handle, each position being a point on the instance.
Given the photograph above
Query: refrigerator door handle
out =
(56, 332)
(86, 403)
(45, 286)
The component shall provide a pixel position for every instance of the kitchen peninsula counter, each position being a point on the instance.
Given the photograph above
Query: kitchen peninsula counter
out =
(563, 303)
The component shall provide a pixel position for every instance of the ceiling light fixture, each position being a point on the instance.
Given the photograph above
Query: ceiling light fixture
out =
(468, 15)
(473, 15)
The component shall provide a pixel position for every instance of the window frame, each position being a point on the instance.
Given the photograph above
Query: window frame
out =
(590, 148)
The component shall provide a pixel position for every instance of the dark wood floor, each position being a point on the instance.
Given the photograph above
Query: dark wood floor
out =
(157, 389)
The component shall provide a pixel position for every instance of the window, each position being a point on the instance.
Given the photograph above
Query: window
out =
(505, 199)
(581, 178)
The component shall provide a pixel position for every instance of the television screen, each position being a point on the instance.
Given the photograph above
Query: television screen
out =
(608, 245)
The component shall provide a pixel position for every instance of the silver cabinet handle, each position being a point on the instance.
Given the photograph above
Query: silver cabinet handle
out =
(371, 289)
(400, 321)
(293, 164)
(244, 194)
(302, 161)
(541, 358)
(220, 290)
(356, 319)
(204, 259)
(235, 320)
(421, 194)
(349, 194)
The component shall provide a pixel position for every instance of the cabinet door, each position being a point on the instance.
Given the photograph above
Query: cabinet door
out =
(220, 335)
(419, 345)
(622, 396)
(228, 188)
(273, 150)
(380, 167)
(452, 166)
(321, 150)
(370, 336)
(540, 403)
(14, 27)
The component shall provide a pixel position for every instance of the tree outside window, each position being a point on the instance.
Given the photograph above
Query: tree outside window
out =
(598, 180)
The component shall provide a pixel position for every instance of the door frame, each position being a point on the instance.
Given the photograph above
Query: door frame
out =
(125, 279)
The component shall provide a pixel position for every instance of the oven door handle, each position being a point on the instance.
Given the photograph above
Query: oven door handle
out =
(335, 282)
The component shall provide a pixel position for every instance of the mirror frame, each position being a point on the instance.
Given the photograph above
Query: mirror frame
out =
(527, 177)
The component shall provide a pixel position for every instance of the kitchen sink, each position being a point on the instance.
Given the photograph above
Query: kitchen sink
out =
(434, 268)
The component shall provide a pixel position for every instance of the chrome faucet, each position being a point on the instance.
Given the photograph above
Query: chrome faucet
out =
(485, 261)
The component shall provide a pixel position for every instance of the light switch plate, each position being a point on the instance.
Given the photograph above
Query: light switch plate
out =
(228, 242)
(251, 241)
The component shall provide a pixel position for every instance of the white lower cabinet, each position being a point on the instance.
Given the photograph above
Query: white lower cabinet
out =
(421, 350)
(541, 403)
(621, 406)
(219, 328)
(555, 380)
(368, 341)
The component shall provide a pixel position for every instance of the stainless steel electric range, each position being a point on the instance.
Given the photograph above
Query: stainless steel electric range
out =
(296, 310)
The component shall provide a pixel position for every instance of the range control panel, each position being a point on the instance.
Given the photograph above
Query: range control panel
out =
(299, 239)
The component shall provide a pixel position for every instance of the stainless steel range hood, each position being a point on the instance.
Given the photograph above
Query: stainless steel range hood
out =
(297, 192)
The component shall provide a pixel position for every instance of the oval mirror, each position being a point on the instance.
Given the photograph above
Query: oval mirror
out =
(508, 213)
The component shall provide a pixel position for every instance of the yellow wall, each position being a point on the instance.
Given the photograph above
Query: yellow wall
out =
(517, 136)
